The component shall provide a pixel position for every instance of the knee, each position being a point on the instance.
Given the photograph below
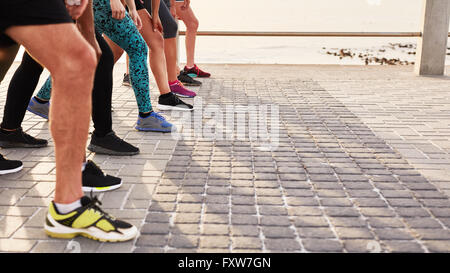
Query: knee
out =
(192, 25)
(82, 60)
(157, 43)
(139, 49)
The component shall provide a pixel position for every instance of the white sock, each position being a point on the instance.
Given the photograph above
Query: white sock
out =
(83, 166)
(189, 67)
(66, 208)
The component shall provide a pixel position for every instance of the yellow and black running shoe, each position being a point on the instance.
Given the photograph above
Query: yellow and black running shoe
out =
(89, 221)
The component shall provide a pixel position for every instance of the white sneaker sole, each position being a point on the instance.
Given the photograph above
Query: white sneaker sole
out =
(102, 189)
(18, 169)
(60, 231)
(173, 108)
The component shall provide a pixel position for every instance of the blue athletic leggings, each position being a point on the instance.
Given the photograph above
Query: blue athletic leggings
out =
(125, 34)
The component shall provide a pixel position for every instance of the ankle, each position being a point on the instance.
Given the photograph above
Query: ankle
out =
(66, 208)
(5, 130)
(145, 115)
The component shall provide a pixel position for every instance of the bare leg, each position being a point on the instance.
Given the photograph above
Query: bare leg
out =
(71, 62)
(170, 50)
(117, 50)
(191, 22)
(155, 42)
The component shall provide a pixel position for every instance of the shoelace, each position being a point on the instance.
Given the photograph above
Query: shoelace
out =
(180, 84)
(197, 69)
(158, 116)
(93, 205)
(177, 100)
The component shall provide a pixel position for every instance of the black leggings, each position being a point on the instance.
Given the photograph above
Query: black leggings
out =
(26, 78)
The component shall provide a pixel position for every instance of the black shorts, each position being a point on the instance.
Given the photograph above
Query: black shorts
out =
(170, 27)
(30, 12)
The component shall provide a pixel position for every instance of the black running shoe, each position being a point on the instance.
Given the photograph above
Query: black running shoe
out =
(126, 80)
(188, 80)
(111, 144)
(20, 139)
(94, 180)
(170, 101)
(9, 166)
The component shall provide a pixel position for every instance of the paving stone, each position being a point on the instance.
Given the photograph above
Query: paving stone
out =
(9, 224)
(278, 232)
(403, 247)
(185, 229)
(244, 230)
(322, 245)
(275, 221)
(362, 246)
(214, 242)
(215, 229)
(432, 234)
(422, 222)
(183, 241)
(438, 246)
(280, 245)
(322, 233)
(155, 228)
(51, 247)
(152, 240)
(353, 233)
(246, 243)
(385, 222)
(393, 234)
(16, 245)
(310, 221)
(347, 222)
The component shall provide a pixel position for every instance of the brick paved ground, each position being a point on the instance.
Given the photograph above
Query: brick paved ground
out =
(362, 164)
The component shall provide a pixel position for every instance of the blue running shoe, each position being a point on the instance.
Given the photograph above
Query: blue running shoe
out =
(37, 108)
(154, 123)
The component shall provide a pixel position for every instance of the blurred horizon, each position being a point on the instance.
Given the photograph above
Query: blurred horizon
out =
(302, 16)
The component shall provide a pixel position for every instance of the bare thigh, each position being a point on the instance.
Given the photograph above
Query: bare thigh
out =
(45, 43)
(154, 39)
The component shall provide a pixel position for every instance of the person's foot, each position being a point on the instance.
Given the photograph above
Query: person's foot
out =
(179, 89)
(111, 144)
(37, 108)
(126, 80)
(94, 180)
(154, 123)
(9, 166)
(196, 72)
(89, 221)
(19, 139)
(187, 80)
(170, 101)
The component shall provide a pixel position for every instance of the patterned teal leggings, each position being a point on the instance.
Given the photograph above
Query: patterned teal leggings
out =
(125, 34)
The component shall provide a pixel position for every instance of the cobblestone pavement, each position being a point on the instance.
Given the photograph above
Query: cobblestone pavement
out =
(361, 164)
